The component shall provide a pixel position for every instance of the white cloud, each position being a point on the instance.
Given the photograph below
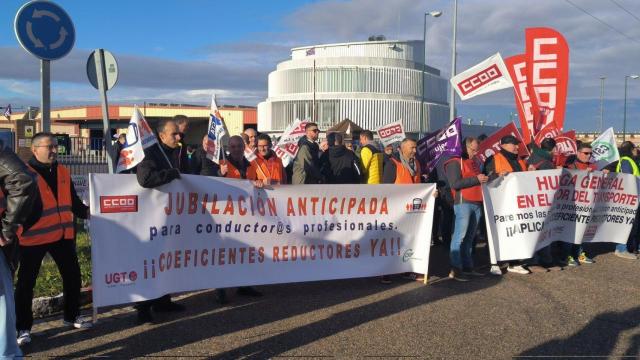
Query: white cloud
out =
(239, 69)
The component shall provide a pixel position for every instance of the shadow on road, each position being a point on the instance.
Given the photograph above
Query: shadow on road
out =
(284, 301)
(596, 339)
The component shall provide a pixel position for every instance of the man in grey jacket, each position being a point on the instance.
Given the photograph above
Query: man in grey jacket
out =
(306, 165)
(19, 190)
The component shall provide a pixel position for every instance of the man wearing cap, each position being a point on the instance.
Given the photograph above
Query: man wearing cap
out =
(500, 164)
(506, 160)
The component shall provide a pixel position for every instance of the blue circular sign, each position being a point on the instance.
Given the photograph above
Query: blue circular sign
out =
(45, 30)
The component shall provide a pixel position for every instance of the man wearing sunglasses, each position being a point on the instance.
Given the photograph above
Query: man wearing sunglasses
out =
(582, 161)
(306, 165)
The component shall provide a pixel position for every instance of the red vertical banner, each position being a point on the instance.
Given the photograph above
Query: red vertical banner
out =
(547, 57)
(525, 100)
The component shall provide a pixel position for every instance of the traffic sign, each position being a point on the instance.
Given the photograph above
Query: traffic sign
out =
(110, 66)
(45, 30)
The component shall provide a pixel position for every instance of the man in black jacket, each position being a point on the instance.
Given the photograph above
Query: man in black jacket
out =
(52, 231)
(155, 170)
(19, 191)
(200, 164)
(340, 165)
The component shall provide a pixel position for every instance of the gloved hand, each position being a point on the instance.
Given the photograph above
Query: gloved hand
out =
(174, 174)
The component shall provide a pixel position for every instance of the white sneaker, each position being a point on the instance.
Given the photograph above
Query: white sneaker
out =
(518, 269)
(24, 337)
(79, 323)
(626, 255)
(495, 270)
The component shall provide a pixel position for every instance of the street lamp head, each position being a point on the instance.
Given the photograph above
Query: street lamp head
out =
(434, 13)
(634, 76)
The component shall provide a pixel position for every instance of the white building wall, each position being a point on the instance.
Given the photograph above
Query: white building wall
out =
(371, 83)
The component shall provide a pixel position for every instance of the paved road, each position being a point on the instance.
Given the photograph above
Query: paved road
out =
(590, 310)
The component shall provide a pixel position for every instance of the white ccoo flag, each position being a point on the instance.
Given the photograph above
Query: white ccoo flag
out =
(490, 75)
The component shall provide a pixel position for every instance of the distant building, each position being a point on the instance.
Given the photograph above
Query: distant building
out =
(590, 136)
(86, 121)
(372, 83)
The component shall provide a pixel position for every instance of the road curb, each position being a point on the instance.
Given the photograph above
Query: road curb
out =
(50, 305)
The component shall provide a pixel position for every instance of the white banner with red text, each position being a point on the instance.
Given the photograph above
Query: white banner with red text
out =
(200, 232)
(527, 211)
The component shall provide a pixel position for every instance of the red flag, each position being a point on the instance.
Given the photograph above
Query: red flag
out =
(565, 147)
(549, 131)
(525, 101)
(547, 56)
(491, 145)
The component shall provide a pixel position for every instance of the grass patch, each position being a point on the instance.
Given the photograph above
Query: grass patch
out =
(49, 282)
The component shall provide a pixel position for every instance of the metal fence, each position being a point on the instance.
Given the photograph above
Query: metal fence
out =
(84, 155)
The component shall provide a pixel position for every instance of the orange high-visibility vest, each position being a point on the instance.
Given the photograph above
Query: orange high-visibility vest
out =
(234, 173)
(403, 176)
(56, 219)
(271, 168)
(469, 168)
(503, 165)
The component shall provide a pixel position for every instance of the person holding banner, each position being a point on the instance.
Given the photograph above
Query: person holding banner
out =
(574, 253)
(542, 158)
(252, 138)
(372, 159)
(52, 232)
(465, 179)
(405, 169)
(162, 164)
(19, 192)
(306, 165)
(238, 167)
(500, 164)
(201, 164)
(506, 160)
(627, 164)
(271, 165)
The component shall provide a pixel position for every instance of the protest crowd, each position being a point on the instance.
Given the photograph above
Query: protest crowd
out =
(40, 204)
(43, 186)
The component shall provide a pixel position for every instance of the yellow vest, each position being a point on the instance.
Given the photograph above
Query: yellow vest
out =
(634, 166)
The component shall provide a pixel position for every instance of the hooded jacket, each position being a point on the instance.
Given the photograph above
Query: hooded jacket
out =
(341, 166)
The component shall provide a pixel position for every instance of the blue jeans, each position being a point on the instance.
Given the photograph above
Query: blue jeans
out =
(8, 344)
(464, 230)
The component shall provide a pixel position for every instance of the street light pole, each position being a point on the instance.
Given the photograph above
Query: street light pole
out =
(452, 95)
(601, 103)
(624, 121)
(435, 14)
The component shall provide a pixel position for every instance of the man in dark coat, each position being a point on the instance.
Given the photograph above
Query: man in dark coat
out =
(19, 191)
(153, 171)
(340, 165)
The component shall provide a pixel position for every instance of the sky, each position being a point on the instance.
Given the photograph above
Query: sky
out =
(182, 51)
